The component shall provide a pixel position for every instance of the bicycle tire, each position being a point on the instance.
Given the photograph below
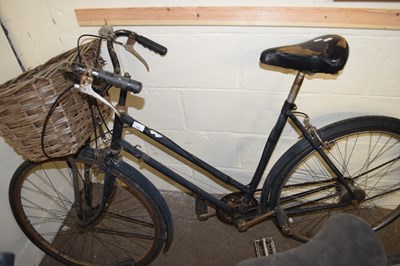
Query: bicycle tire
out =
(130, 230)
(366, 150)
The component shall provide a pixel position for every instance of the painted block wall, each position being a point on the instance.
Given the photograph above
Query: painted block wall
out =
(11, 237)
(209, 93)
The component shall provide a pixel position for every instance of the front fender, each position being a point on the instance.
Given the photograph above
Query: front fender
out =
(127, 171)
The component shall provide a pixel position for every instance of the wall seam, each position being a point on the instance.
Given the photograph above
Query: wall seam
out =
(12, 46)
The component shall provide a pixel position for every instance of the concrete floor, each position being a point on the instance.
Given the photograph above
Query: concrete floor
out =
(214, 243)
(198, 243)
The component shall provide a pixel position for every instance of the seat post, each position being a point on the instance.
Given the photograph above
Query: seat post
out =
(295, 87)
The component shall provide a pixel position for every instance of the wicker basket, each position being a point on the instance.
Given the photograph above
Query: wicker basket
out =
(25, 103)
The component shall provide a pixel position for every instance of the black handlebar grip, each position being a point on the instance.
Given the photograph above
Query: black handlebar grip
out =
(118, 81)
(111, 78)
(151, 45)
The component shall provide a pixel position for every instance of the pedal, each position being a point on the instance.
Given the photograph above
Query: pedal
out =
(202, 210)
(264, 246)
(283, 220)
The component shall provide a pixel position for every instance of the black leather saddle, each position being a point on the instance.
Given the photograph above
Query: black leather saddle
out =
(325, 54)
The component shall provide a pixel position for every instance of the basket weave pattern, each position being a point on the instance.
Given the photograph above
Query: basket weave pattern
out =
(26, 100)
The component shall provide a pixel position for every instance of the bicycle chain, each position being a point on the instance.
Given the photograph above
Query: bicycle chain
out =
(309, 183)
(313, 183)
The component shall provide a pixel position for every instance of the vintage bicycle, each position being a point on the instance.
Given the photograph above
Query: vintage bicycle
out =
(93, 207)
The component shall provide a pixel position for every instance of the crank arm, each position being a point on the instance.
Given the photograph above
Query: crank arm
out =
(245, 225)
(206, 216)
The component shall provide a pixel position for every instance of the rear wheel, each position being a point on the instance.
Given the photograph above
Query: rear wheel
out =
(42, 198)
(367, 152)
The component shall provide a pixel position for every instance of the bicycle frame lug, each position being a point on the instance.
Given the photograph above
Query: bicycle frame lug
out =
(115, 152)
(122, 109)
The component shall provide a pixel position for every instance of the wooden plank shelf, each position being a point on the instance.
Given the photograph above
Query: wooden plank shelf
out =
(363, 18)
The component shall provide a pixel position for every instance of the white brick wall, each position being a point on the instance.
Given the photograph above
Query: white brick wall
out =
(226, 101)
(209, 93)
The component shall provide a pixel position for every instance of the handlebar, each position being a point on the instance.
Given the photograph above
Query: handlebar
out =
(111, 79)
(144, 41)
(115, 79)
(151, 45)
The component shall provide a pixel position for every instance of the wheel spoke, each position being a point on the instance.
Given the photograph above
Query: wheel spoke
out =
(369, 159)
(130, 227)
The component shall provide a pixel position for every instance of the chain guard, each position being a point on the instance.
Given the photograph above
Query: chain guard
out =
(234, 200)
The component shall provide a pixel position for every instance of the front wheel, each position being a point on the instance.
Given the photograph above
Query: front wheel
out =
(367, 152)
(130, 229)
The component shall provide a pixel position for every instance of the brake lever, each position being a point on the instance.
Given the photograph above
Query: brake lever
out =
(86, 88)
(129, 47)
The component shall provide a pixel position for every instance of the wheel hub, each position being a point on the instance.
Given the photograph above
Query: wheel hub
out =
(359, 195)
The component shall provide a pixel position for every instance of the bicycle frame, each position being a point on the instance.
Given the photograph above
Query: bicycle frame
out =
(287, 112)
(288, 107)
(115, 205)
